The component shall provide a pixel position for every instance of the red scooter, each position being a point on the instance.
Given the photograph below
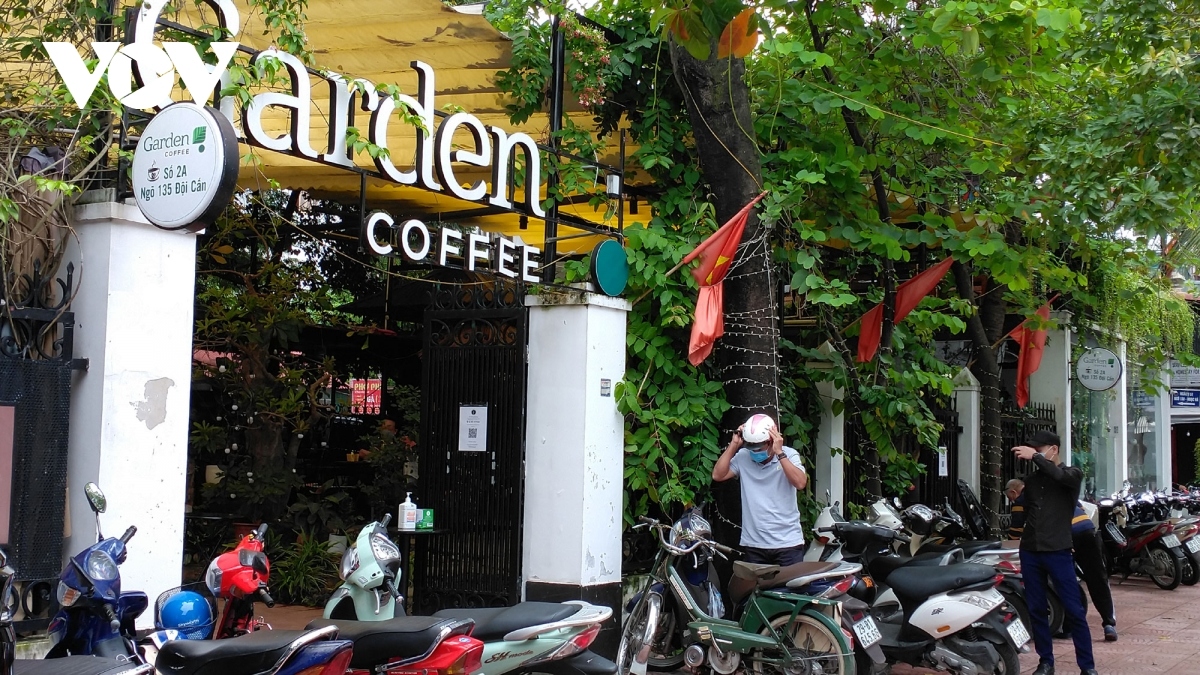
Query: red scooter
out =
(237, 577)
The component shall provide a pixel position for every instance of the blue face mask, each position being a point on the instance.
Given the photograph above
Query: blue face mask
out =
(759, 456)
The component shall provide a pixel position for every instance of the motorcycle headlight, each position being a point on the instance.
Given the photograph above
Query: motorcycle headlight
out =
(66, 595)
(212, 578)
(101, 567)
(349, 562)
(383, 549)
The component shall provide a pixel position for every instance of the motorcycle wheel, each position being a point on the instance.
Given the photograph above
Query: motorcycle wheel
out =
(1010, 659)
(666, 652)
(1058, 616)
(822, 649)
(1162, 558)
(639, 629)
(1191, 570)
(1017, 601)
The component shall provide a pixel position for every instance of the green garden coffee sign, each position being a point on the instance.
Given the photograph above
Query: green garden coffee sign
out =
(185, 167)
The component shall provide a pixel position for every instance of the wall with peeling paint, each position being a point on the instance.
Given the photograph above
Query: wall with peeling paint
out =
(129, 411)
(574, 449)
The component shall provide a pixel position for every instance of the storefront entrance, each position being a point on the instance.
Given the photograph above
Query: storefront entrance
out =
(473, 451)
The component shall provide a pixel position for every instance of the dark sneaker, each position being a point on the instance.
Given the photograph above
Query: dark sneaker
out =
(1110, 633)
(1044, 669)
(1089, 671)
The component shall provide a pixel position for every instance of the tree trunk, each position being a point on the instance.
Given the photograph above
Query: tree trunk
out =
(718, 102)
(985, 327)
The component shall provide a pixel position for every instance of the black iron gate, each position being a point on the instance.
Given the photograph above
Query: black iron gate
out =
(474, 358)
(940, 480)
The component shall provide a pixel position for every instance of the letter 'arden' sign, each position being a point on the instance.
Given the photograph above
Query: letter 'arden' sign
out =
(436, 151)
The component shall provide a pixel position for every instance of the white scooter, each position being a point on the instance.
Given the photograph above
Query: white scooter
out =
(952, 616)
(369, 571)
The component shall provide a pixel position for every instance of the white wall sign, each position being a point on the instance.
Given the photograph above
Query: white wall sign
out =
(943, 462)
(185, 167)
(472, 428)
(1184, 376)
(1098, 369)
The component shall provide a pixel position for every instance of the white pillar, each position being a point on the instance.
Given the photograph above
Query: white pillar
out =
(1051, 383)
(575, 451)
(129, 411)
(1118, 428)
(1162, 431)
(967, 404)
(829, 444)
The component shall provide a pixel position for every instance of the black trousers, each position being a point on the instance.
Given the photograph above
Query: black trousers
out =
(1090, 558)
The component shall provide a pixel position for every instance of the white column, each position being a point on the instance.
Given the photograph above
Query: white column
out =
(1118, 428)
(1162, 431)
(574, 450)
(967, 404)
(830, 470)
(129, 411)
(1051, 383)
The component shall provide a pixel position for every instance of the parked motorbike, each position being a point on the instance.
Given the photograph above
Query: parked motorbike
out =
(413, 644)
(75, 665)
(1145, 547)
(266, 652)
(237, 577)
(952, 617)
(96, 618)
(370, 569)
(1174, 507)
(541, 637)
(775, 629)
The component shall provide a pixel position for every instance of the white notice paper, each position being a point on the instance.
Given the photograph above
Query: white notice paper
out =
(472, 428)
(943, 462)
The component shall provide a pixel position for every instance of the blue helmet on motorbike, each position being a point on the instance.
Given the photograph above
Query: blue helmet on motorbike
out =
(187, 612)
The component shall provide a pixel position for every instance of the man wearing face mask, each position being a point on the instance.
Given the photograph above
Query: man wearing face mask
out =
(1050, 495)
(769, 474)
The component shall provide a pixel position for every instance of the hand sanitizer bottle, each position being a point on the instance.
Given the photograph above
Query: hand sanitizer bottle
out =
(408, 513)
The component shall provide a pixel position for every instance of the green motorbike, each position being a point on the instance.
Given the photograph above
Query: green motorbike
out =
(677, 622)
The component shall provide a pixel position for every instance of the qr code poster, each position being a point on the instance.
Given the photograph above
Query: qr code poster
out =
(472, 428)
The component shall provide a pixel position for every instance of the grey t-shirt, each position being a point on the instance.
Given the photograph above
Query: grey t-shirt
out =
(770, 517)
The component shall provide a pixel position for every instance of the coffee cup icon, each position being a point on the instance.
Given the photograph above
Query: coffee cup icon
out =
(152, 173)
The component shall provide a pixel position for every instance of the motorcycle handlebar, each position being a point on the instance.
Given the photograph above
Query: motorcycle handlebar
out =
(261, 532)
(112, 616)
(128, 534)
(266, 597)
(387, 518)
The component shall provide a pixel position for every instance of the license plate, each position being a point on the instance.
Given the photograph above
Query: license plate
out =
(867, 632)
(1193, 544)
(1016, 630)
(1170, 540)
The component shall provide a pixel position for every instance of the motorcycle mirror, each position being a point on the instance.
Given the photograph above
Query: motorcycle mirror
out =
(95, 498)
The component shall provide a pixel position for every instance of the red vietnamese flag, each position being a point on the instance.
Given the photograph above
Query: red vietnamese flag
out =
(908, 296)
(1033, 345)
(716, 255)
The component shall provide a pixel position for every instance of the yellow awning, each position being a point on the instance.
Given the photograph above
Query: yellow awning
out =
(377, 41)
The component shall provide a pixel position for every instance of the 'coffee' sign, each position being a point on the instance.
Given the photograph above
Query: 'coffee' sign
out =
(474, 251)
(436, 151)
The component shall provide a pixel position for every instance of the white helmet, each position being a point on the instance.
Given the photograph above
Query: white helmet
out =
(756, 432)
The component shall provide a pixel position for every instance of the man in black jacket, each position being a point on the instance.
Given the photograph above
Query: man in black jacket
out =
(1050, 495)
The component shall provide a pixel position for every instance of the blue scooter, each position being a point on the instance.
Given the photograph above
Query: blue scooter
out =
(96, 618)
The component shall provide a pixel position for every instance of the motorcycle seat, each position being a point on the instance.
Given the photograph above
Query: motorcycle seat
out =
(969, 548)
(748, 576)
(493, 623)
(249, 654)
(920, 583)
(882, 567)
(71, 665)
(380, 642)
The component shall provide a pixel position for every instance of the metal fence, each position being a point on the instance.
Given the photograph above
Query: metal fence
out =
(931, 487)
